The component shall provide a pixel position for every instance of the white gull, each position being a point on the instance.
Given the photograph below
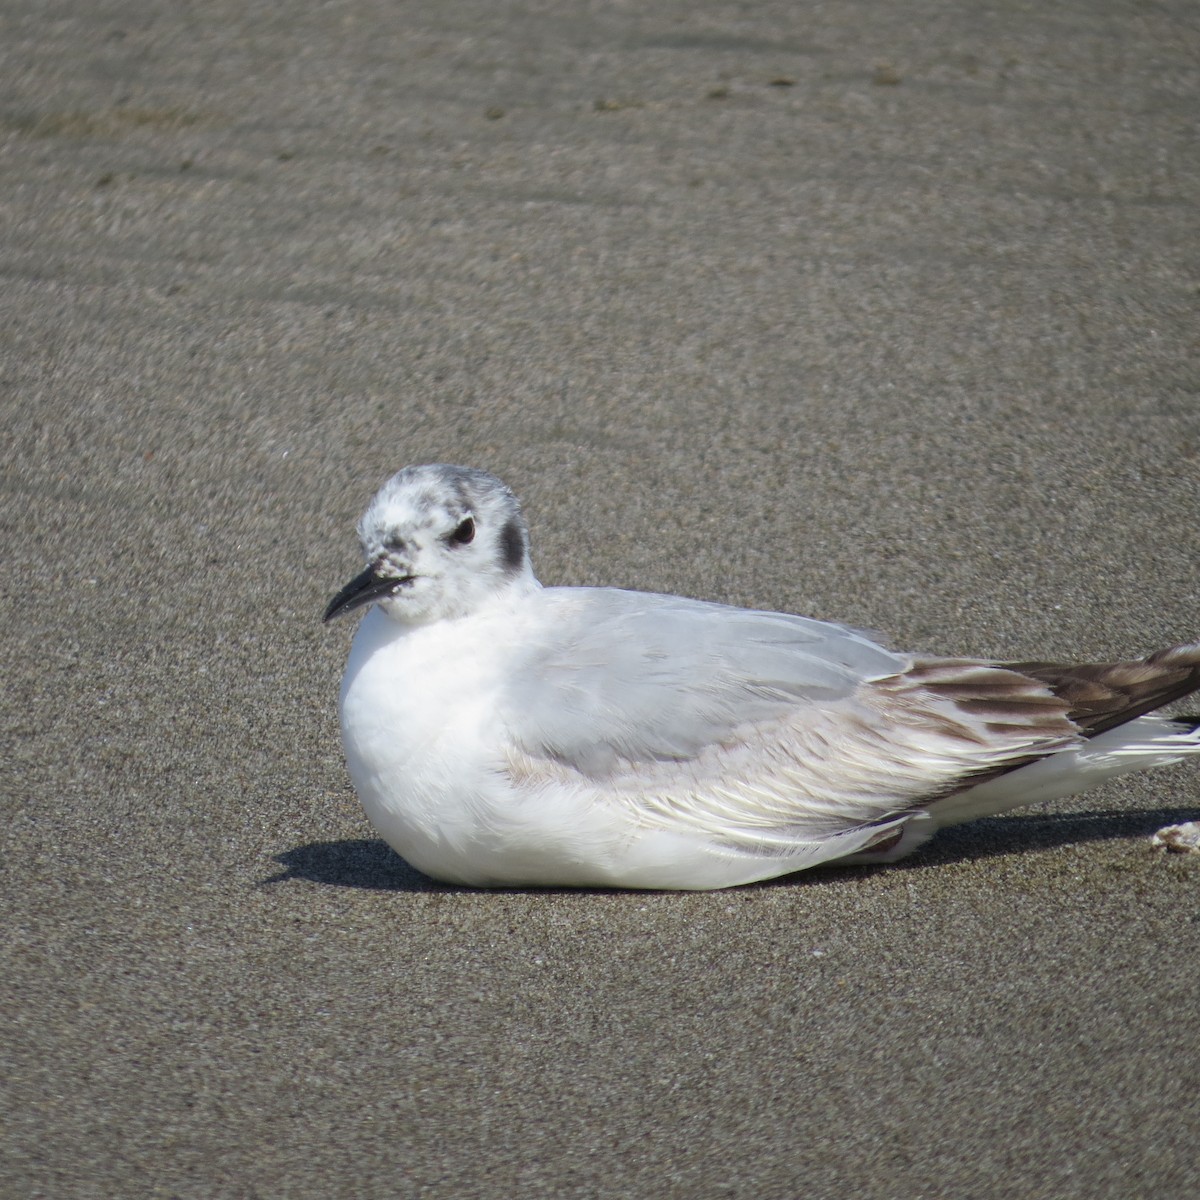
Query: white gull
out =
(503, 733)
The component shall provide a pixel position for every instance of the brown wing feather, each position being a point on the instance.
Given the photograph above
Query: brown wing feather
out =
(1012, 718)
(1103, 695)
(1048, 703)
(998, 699)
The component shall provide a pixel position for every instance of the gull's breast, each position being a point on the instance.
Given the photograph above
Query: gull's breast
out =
(419, 735)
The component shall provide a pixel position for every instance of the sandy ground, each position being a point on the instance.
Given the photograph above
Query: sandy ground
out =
(880, 312)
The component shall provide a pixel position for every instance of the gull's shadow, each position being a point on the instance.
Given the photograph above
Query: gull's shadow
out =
(373, 864)
(1017, 832)
(354, 862)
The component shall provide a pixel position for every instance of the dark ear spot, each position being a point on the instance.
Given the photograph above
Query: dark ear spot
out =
(512, 545)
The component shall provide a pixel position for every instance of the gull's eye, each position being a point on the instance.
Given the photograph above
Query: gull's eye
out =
(464, 534)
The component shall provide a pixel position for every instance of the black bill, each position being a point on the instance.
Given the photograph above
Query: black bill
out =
(362, 589)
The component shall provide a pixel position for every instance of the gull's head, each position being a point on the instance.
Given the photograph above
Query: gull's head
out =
(439, 542)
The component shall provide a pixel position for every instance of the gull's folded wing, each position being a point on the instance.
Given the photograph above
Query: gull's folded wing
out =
(761, 730)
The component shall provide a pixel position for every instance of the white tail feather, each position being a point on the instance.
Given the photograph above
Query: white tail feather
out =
(1145, 742)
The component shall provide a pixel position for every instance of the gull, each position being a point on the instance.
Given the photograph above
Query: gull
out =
(502, 733)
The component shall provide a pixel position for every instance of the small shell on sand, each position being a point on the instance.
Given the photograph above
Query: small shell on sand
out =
(1185, 839)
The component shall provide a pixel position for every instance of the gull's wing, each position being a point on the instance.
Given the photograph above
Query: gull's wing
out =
(761, 730)
(610, 675)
